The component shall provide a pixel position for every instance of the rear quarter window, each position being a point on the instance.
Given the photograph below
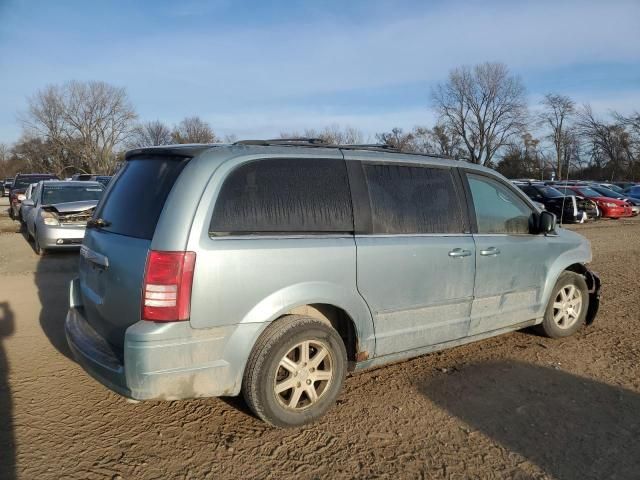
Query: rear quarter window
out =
(287, 195)
(136, 196)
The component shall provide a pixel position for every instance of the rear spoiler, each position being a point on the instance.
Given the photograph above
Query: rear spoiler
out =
(186, 151)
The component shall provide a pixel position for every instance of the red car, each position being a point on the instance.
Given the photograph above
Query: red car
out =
(611, 207)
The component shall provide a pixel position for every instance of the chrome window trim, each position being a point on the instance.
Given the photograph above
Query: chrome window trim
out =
(403, 235)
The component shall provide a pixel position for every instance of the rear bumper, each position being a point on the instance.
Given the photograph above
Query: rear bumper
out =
(165, 361)
(94, 354)
(51, 237)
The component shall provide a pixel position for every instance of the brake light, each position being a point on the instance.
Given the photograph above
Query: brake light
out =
(166, 291)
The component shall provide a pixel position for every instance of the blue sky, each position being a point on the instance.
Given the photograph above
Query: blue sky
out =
(257, 68)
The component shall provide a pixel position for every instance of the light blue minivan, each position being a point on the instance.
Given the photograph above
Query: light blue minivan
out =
(273, 268)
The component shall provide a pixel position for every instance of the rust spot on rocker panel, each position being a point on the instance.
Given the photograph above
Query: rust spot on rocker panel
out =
(362, 356)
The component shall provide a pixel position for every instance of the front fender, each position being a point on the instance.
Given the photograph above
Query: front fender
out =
(579, 255)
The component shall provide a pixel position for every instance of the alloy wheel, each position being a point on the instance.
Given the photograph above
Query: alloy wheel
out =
(303, 375)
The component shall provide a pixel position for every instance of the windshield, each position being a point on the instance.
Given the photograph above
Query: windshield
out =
(589, 192)
(53, 194)
(550, 192)
(615, 188)
(607, 192)
(24, 182)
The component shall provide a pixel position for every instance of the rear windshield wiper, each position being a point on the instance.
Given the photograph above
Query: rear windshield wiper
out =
(98, 223)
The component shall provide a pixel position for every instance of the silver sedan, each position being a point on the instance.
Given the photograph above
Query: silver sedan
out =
(58, 213)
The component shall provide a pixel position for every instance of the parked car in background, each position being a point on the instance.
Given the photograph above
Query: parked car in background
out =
(25, 209)
(633, 192)
(20, 184)
(610, 207)
(104, 179)
(611, 186)
(564, 207)
(86, 177)
(607, 192)
(59, 212)
(625, 185)
(271, 268)
(6, 188)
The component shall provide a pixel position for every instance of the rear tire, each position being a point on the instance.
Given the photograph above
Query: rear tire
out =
(286, 387)
(567, 308)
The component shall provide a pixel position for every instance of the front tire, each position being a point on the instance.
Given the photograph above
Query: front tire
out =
(567, 308)
(36, 246)
(295, 371)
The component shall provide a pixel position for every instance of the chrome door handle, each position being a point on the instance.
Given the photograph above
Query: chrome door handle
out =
(458, 252)
(489, 252)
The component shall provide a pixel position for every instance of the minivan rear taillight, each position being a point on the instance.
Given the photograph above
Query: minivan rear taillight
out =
(166, 291)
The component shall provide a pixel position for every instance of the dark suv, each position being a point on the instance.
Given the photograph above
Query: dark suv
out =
(565, 207)
(20, 185)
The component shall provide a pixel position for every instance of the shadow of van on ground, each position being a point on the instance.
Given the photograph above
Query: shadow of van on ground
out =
(571, 427)
(7, 436)
(52, 276)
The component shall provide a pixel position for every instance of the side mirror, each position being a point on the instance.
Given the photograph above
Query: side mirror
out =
(546, 222)
(27, 203)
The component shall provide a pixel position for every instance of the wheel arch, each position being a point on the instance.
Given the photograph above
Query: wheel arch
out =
(593, 285)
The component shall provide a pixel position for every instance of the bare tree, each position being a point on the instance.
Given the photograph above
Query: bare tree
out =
(632, 124)
(438, 140)
(149, 134)
(332, 134)
(85, 121)
(484, 106)
(632, 121)
(193, 130)
(557, 112)
(609, 143)
(397, 138)
(5, 151)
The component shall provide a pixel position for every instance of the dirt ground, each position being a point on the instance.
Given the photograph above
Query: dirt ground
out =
(516, 406)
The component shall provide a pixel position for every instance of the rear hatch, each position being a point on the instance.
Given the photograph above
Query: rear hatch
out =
(115, 247)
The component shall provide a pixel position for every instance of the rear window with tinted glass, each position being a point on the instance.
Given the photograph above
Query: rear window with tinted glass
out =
(136, 197)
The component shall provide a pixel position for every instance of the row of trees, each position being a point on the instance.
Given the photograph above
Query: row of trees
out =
(85, 127)
(482, 117)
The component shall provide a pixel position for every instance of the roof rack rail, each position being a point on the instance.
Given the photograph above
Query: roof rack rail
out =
(318, 142)
(283, 141)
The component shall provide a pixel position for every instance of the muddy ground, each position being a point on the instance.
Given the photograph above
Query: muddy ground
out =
(516, 406)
